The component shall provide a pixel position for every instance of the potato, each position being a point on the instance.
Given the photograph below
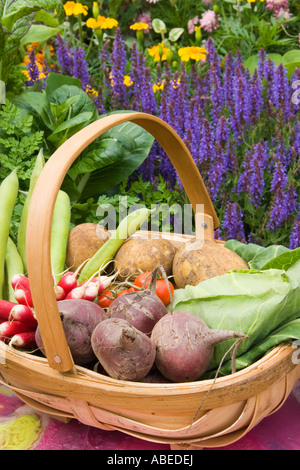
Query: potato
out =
(83, 242)
(197, 261)
(143, 254)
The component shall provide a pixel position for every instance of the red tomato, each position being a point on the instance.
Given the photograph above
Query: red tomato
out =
(141, 278)
(162, 291)
(125, 291)
(106, 298)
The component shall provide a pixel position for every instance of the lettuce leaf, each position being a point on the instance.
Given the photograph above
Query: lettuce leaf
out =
(254, 302)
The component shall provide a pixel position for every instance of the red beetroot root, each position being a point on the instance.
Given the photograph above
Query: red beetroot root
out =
(185, 345)
(125, 352)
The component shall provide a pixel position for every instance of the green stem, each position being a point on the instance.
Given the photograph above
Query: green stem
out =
(80, 30)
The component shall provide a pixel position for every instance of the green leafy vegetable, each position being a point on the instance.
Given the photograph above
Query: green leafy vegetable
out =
(256, 303)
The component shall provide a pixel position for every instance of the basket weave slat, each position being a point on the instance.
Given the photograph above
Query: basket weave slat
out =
(166, 413)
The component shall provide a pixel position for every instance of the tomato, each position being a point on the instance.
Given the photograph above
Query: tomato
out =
(141, 278)
(125, 291)
(162, 291)
(106, 298)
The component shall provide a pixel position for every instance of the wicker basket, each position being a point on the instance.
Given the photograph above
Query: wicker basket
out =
(164, 413)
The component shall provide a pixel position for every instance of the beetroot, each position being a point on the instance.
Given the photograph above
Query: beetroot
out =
(142, 308)
(185, 345)
(125, 352)
(79, 318)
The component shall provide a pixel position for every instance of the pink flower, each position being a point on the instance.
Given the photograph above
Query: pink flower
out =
(277, 4)
(209, 21)
(282, 12)
(207, 2)
(191, 24)
(145, 18)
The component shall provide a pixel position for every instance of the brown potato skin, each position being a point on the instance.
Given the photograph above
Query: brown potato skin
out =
(198, 261)
(142, 255)
(83, 242)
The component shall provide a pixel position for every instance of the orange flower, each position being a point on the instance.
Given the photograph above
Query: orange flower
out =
(73, 8)
(193, 52)
(159, 52)
(101, 23)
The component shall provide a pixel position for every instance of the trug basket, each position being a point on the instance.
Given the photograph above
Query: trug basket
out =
(163, 413)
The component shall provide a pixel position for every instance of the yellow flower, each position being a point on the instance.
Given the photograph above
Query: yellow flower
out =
(127, 80)
(101, 23)
(40, 67)
(73, 8)
(158, 86)
(91, 91)
(193, 52)
(139, 26)
(159, 52)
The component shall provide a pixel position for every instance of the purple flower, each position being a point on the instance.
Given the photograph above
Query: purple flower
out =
(64, 55)
(233, 224)
(279, 177)
(80, 67)
(207, 149)
(295, 236)
(257, 182)
(32, 68)
(118, 69)
(222, 131)
(216, 172)
(279, 210)
(281, 91)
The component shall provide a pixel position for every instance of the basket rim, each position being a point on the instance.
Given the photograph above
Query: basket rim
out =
(269, 360)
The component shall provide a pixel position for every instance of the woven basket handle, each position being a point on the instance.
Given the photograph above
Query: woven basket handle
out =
(41, 213)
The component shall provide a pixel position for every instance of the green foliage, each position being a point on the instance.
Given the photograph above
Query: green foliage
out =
(18, 143)
(16, 17)
(129, 195)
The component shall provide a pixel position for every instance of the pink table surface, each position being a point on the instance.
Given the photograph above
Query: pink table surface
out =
(280, 431)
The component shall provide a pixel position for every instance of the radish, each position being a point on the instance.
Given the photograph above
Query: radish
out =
(20, 281)
(142, 308)
(5, 309)
(68, 282)
(23, 314)
(123, 351)
(59, 292)
(24, 297)
(185, 345)
(23, 340)
(89, 290)
(11, 328)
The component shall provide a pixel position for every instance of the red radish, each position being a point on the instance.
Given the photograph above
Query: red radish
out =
(23, 314)
(23, 297)
(59, 292)
(89, 290)
(23, 340)
(5, 309)
(11, 328)
(68, 282)
(20, 281)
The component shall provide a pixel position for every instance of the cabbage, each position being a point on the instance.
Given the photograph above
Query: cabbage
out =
(263, 303)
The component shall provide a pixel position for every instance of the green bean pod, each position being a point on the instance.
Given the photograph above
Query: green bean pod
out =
(60, 233)
(21, 241)
(8, 195)
(13, 265)
(126, 228)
